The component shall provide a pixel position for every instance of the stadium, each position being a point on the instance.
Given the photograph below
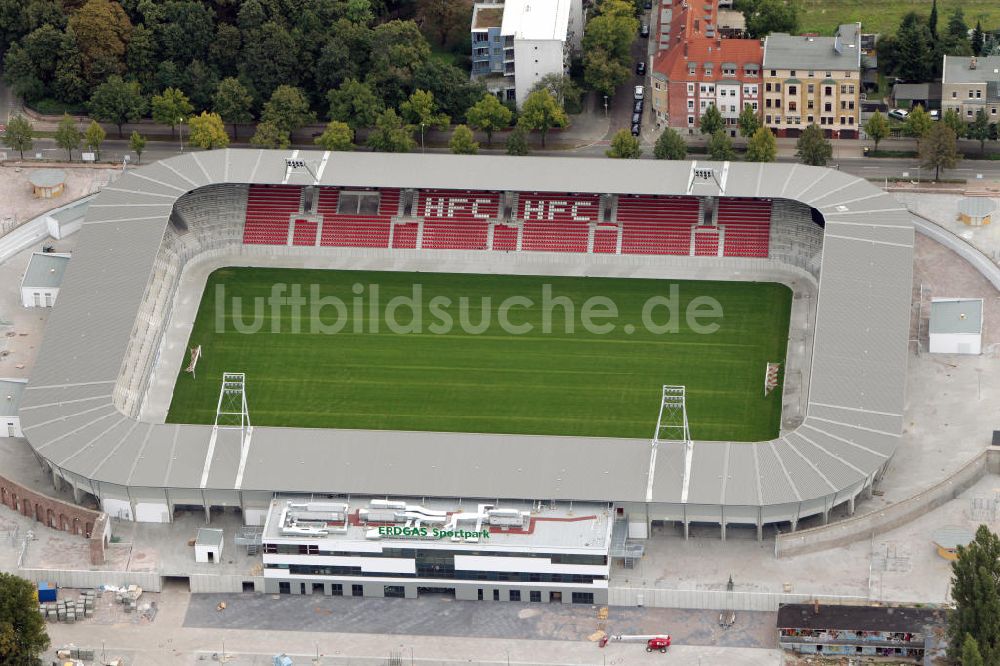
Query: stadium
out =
(819, 260)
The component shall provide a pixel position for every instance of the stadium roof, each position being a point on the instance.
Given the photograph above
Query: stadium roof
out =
(853, 420)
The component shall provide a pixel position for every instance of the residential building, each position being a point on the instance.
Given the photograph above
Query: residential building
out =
(969, 83)
(810, 80)
(872, 631)
(471, 550)
(697, 68)
(517, 42)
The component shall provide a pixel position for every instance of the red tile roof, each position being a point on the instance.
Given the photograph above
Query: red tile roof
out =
(690, 21)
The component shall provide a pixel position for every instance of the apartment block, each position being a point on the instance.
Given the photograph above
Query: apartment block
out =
(516, 43)
(810, 80)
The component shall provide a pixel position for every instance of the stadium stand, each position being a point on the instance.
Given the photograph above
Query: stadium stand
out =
(456, 220)
(557, 222)
(606, 240)
(504, 238)
(657, 225)
(304, 232)
(706, 241)
(747, 225)
(269, 210)
(404, 236)
(356, 230)
(795, 239)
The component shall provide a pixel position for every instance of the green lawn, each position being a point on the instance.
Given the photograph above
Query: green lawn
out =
(883, 16)
(555, 383)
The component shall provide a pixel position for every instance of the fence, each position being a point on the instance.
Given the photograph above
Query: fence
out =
(147, 580)
(875, 522)
(719, 599)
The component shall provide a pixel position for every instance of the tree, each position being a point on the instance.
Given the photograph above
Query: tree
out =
(918, 123)
(906, 54)
(288, 109)
(720, 147)
(118, 102)
(232, 102)
(670, 146)
(624, 146)
(517, 142)
(712, 120)
(933, 20)
(602, 72)
(68, 136)
(270, 58)
(137, 143)
(607, 42)
(978, 39)
(877, 128)
(939, 150)
(975, 591)
(563, 88)
(22, 629)
(979, 129)
(171, 107)
(954, 121)
(269, 135)
(102, 30)
(766, 16)
(354, 103)
(970, 652)
(390, 134)
(541, 112)
(956, 42)
(453, 92)
(336, 136)
(812, 148)
(421, 112)
(762, 146)
(19, 136)
(749, 121)
(462, 142)
(489, 115)
(93, 137)
(208, 131)
(441, 19)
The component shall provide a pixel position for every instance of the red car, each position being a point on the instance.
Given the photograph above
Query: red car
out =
(660, 643)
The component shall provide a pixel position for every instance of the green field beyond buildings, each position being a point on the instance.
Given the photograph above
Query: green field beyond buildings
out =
(336, 355)
(883, 16)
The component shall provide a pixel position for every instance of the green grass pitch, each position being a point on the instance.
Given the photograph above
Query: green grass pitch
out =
(554, 383)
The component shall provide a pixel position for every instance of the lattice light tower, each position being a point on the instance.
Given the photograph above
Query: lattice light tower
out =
(672, 428)
(232, 411)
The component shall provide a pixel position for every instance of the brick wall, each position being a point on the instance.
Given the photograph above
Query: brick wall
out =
(57, 514)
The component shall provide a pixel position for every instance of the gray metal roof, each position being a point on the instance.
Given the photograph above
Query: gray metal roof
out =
(45, 270)
(956, 315)
(976, 206)
(208, 537)
(47, 177)
(843, 51)
(11, 391)
(958, 69)
(854, 415)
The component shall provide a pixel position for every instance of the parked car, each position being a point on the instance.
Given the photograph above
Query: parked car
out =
(644, 30)
(639, 92)
(636, 129)
(636, 118)
(899, 114)
(640, 67)
(637, 106)
(660, 643)
(934, 114)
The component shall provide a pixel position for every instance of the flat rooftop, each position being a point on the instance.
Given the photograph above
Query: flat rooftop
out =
(45, 270)
(11, 391)
(536, 19)
(487, 16)
(956, 315)
(369, 524)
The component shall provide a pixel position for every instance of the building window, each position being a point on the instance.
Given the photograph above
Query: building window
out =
(496, 595)
(810, 119)
(811, 89)
(969, 113)
(954, 94)
(336, 589)
(284, 588)
(774, 72)
(767, 119)
(979, 94)
(811, 74)
(479, 594)
(583, 597)
(514, 595)
(394, 591)
(810, 104)
(535, 596)
(690, 121)
(690, 89)
(850, 120)
(793, 106)
(690, 105)
(753, 105)
(828, 107)
(993, 111)
(970, 94)
(767, 87)
(357, 590)
(829, 74)
(792, 90)
(777, 87)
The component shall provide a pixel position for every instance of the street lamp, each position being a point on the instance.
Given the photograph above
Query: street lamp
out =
(422, 125)
(180, 130)
(605, 106)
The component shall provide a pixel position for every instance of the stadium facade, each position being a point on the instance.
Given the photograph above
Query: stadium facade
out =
(84, 410)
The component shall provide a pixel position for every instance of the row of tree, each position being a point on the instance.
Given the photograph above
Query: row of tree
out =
(915, 52)
(918, 124)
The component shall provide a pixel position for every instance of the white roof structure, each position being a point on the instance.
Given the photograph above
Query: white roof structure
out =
(536, 19)
(72, 419)
(45, 270)
(11, 392)
(956, 315)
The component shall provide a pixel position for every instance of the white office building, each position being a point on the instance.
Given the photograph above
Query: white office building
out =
(464, 549)
(517, 42)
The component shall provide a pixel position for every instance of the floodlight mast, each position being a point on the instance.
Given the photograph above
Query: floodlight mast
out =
(705, 174)
(293, 163)
(671, 428)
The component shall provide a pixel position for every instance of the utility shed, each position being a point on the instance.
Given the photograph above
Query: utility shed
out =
(956, 326)
(41, 282)
(11, 391)
(208, 546)
(976, 211)
(898, 632)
